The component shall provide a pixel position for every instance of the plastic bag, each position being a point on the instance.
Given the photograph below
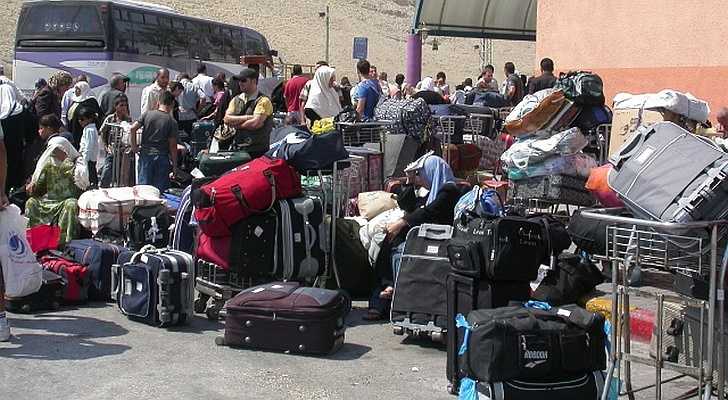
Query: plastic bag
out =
(531, 150)
(579, 165)
(21, 272)
(481, 202)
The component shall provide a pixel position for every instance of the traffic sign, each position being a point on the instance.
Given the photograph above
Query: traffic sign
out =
(361, 47)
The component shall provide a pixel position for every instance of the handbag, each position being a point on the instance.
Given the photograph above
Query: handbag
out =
(224, 133)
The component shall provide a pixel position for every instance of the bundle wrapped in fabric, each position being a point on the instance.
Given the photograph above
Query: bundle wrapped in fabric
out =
(535, 111)
(578, 164)
(684, 104)
(533, 149)
(111, 208)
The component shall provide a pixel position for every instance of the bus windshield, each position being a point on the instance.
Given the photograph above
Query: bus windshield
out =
(51, 19)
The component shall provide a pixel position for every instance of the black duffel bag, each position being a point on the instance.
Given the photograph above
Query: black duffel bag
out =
(148, 225)
(517, 342)
(589, 234)
(305, 151)
(572, 278)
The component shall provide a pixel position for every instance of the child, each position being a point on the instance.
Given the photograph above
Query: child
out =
(89, 147)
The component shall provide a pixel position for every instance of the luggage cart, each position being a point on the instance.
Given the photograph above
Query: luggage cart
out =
(359, 133)
(118, 148)
(603, 135)
(215, 286)
(691, 248)
(474, 125)
(444, 128)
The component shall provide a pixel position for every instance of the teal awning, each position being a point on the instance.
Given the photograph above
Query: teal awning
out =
(492, 19)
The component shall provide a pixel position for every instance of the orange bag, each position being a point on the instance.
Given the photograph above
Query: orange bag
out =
(598, 185)
(539, 116)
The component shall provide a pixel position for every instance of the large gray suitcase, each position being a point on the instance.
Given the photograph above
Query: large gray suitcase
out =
(666, 173)
(561, 189)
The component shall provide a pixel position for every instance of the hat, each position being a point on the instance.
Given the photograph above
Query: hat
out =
(418, 163)
(247, 73)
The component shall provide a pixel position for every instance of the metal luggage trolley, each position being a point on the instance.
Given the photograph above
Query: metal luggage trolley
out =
(476, 123)
(444, 128)
(216, 286)
(359, 133)
(689, 248)
(116, 142)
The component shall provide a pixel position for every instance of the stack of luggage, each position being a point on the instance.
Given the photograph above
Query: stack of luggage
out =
(554, 129)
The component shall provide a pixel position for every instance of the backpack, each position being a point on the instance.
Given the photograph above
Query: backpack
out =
(410, 116)
(582, 87)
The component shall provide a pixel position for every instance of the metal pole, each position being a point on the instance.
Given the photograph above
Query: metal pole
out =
(328, 27)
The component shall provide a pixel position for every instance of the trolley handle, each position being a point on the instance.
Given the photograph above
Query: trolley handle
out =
(611, 215)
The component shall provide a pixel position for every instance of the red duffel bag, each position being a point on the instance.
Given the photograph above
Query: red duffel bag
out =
(252, 188)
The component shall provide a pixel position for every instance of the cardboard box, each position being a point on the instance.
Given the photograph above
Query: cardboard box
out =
(625, 122)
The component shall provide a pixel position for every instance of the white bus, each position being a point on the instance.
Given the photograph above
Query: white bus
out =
(98, 38)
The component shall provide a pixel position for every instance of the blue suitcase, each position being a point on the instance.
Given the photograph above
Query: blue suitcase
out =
(183, 234)
(155, 286)
(98, 257)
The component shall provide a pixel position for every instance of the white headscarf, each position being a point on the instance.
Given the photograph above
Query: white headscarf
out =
(426, 84)
(61, 143)
(323, 98)
(85, 89)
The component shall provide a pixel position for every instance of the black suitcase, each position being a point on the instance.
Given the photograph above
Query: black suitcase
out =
(518, 342)
(148, 225)
(465, 294)
(584, 386)
(155, 286)
(284, 316)
(216, 164)
(49, 297)
(98, 257)
(201, 136)
(419, 302)
(562, 189)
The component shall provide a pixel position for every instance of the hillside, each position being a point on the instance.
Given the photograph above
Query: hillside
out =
(298, 33)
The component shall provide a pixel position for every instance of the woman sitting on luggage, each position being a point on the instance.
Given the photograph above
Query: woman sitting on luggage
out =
(430, 174)
(427, 91)
(53, 189)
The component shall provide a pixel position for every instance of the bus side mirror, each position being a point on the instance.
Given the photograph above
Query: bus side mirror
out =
(274, 53)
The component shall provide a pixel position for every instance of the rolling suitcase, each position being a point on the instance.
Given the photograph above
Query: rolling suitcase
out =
(283, 316)
(216, 164)
(98, 257)
(49, 297)
(695, 189)
(584, 386)
(183, 235)
(562, 189)
(76, 277)
(419, 302)
(155, 287)
(201, 136)
(371, 170)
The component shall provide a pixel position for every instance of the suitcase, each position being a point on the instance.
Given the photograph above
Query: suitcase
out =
(156, 287)
(201, 136)
(519, 342)
(76, 277)
(562, 189)
(183, 235)
(467, 293)
(694, 189)
(419, 302)
(216, 164)
(354, 270)
(109, 209)
(400, 150)
(371, 171)
(148, 225)
(283, 316)
(98, 257)
(49, 297)
(585, 386)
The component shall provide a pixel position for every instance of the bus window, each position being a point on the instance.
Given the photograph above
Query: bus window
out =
(147, 37)
(199, 47)
(254, 44)
(44, 19)
(181, 43)
(217, 51)
(123, 32)
(232, 53)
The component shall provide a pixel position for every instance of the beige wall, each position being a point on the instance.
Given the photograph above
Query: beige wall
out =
(640, 45)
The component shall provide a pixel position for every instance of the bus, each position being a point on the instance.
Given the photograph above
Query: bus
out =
(98, 38)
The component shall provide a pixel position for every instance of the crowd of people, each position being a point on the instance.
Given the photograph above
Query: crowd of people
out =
(58, 143)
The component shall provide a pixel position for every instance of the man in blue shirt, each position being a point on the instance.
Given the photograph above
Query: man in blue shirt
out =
(367, 92)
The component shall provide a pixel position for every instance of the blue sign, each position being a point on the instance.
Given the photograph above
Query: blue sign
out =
(361, 47)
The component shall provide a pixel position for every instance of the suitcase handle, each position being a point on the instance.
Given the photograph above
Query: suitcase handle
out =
(631, 146)
(435, 231)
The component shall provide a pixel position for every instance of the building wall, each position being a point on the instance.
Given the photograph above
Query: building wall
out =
(640, 46)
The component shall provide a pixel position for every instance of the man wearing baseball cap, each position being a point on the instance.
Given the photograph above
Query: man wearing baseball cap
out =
(117, 86)
(251, 114)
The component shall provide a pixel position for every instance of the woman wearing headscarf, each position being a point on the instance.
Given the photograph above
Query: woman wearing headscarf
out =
(429, 196)
(82, 98)
(54, 188)
(427, 91)
(323, 99)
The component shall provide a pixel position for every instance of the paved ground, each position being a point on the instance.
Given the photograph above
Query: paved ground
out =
(95, 353)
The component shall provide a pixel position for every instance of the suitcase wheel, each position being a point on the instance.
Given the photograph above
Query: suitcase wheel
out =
(438, 337)
(201, 303)
(220, 341)
(165, 316)
(213, 313)
(398, 330)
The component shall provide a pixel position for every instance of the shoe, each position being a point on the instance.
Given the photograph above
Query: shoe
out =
(4, 330)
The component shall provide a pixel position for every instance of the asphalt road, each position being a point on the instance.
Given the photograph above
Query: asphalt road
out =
(94, 352)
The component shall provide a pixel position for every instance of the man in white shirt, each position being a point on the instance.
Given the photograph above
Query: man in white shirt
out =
(190, 100)
(150, 94)
(204, 82)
